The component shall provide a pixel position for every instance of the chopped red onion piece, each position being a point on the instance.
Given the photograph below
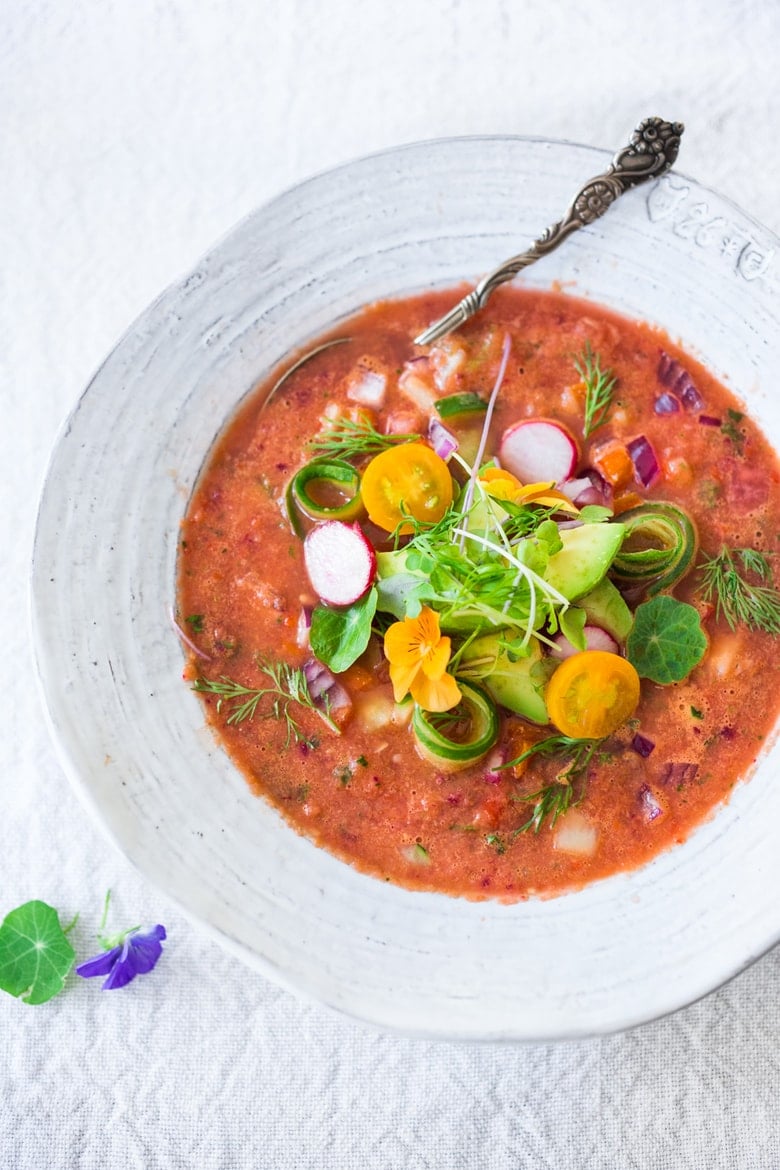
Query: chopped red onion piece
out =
(323, 686)
(708, 420)
(442, 440)
(642, 745)
(589, 488)
(680, 773)
(728, 733)
(651, 809)
(572, 488)
(667, 403)
(644, 459)
(670, 373)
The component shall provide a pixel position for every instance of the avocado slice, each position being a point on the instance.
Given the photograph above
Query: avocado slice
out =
(515, 685)
(604, 607)
(583, 561)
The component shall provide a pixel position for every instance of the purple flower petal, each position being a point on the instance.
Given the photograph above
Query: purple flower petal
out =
(99, 965)
(137, 955)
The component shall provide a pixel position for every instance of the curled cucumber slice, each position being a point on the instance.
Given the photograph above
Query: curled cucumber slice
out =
(658, 548)
(457, 738)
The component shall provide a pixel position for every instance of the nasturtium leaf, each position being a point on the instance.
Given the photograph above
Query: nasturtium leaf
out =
(666, 641)
(339, 636)
(35, 955)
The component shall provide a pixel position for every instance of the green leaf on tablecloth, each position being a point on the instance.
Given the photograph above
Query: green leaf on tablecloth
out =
(35, 955)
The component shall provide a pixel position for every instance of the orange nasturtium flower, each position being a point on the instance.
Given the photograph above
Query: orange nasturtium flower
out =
(502, 485)
(418, 655)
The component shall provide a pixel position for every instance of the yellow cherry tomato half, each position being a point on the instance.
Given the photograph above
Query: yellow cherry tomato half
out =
(408, 480)
(592, 693)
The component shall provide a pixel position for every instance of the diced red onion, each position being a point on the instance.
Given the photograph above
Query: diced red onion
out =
(667, 403)
(186, 639)
(642, 745)
(322, 685)
(644, 459)
(680, 773)
(651, 809)
(670, 373)
(708, 420)
(442, 440)
(728, 733)
(572, 488)
(590, 488)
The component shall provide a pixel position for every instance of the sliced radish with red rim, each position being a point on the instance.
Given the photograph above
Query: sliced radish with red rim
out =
(538, 450)
(595, 639)
(340, 561)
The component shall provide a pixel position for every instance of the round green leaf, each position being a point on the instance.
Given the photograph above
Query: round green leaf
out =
(666, 641)
(35, 955)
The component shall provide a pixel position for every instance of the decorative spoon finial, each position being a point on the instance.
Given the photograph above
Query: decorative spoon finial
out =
(651, 151)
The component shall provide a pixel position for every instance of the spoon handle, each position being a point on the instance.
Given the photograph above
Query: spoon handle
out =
(652, 150)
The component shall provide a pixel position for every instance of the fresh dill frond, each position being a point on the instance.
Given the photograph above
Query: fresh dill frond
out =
(599, 389)
(553, 800)
(288, 685)
(550, 803)
(346, 438)
(736, 600)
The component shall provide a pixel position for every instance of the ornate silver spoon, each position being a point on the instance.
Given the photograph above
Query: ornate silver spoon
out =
(652, 150)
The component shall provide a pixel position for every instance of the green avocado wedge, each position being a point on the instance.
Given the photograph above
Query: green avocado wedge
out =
(516, 685)
(583, 561)
(604, 607)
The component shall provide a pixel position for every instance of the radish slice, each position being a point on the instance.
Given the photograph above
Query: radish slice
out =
(537, 451)
(595, 639)
(340, 562)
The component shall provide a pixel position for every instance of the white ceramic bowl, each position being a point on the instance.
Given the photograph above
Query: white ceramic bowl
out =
(131, 733)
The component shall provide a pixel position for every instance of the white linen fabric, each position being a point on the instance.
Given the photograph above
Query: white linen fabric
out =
(132, 136)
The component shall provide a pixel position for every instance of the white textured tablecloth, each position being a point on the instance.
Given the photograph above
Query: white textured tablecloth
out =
(132, 134)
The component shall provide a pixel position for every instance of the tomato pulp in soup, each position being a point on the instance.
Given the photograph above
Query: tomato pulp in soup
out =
(493, 644)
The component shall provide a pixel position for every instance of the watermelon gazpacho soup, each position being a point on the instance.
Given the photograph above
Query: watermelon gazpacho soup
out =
(496, 617)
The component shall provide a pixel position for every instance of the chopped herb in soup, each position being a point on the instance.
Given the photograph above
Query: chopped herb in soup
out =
(495, 617)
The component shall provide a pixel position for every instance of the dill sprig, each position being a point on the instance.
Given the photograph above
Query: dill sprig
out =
(346, 438)
(599, 388)
(287, 685)
(736, 600)
(553, 800)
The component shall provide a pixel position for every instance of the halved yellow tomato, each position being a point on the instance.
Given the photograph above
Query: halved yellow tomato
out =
(408, 480)
(592, 693)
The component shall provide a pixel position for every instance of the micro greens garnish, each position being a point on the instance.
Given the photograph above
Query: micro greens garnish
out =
(468, 495)
(345, 438)
(599, 388)
(736, 600)
(288, 685)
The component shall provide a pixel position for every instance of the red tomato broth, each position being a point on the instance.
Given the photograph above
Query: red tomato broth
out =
(367, 796)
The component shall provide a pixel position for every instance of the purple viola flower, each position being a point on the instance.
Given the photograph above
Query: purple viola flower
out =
(135, 953)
